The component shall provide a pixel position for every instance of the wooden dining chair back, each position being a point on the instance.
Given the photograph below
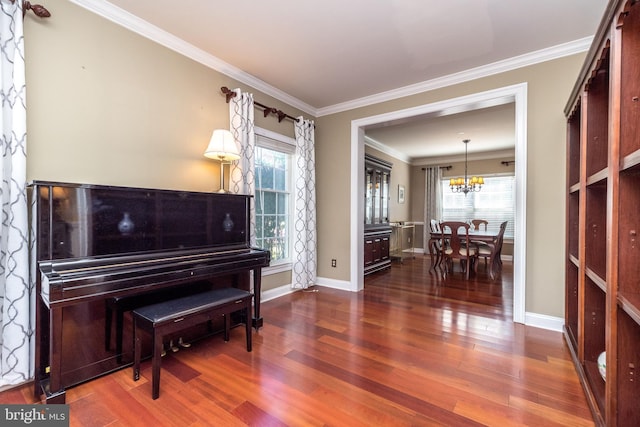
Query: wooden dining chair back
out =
(435, 243)
(477, 223)
(492, 251)
(456, 234)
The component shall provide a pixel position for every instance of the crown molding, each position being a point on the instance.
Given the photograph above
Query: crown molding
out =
(385, 149)
(484, 155)
(155, 34)
(532, 58)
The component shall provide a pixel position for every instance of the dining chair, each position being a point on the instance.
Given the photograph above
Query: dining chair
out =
(477, 223)
(435, 243)
(492, 251)
(456, 247)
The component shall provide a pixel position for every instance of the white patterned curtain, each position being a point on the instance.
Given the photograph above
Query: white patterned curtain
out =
(242, 174)
(16, 293)
(432, 200)
(304, 246)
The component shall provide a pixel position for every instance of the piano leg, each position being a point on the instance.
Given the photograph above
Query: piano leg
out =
(53, 390)
(257, 321)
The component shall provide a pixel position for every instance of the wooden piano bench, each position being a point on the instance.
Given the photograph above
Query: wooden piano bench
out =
(174, 315)
(122, 304)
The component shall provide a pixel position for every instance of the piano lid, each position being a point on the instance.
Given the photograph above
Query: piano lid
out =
(80, 220)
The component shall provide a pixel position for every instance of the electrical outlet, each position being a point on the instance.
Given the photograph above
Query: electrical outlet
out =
(333, 263)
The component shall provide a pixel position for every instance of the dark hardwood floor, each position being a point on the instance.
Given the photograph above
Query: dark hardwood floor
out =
(412, 349)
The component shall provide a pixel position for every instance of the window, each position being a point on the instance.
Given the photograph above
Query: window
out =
(495, 203)
(273, 199)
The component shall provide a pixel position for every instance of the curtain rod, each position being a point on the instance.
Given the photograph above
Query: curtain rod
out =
(37, 9)
(506, 163)
(266, 110)
(441, 167)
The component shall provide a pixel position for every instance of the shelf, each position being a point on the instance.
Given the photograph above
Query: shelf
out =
(574, 260)
(598, 178)
(628, 386)
(597, 280)
(630, 304)
(630, 161)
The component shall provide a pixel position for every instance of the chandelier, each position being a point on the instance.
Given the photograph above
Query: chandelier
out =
(463, 185)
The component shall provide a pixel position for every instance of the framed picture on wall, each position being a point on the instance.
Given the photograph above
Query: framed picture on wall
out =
(400, 193)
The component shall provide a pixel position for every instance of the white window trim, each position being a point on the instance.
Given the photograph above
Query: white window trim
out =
(265, 135)
(281, 266)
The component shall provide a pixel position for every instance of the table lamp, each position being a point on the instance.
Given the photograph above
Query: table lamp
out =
(222, 147)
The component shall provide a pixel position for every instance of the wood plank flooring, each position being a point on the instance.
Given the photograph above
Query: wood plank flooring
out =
(412, 349)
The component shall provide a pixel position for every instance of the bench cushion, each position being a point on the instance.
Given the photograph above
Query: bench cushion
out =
(168, 310)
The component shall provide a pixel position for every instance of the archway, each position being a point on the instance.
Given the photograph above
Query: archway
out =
(516, 94)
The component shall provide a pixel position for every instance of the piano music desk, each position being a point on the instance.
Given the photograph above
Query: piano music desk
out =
(174, 315)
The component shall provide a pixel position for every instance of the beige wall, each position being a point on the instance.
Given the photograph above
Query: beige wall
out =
(108, 106)
(549, 84)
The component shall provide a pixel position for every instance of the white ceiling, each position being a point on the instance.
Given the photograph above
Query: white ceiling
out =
(438, 138)
(324, 55)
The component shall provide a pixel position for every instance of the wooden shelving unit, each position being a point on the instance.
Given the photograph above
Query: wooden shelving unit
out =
(602, 296)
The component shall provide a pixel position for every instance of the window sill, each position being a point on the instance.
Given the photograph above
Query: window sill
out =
(280, 267)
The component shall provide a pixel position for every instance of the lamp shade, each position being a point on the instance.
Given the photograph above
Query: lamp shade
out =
(222, 146)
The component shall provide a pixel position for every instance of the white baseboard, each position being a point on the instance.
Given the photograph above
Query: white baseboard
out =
(274, 293)
(543, 321)
(344, 285)
(283, 290)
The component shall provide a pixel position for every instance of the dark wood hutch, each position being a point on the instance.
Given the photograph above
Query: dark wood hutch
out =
(602, 313)
(377, 231)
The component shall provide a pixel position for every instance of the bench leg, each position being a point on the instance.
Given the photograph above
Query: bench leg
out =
(136, 352)
(156, 360)
(247, 323)
(227, 325)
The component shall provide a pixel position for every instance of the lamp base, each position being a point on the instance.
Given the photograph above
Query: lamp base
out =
(222, 190)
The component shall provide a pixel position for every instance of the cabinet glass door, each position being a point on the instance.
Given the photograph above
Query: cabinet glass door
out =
(376, 196)
(368, 202)
(384, 217)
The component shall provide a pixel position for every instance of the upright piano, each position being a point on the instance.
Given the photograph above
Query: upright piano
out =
(100, 249)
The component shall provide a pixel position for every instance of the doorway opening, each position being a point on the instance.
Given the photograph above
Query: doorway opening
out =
(516, 94)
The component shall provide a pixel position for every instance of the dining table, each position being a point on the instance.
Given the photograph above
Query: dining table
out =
(435, 242)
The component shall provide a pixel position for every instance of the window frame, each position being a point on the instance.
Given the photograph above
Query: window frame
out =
(282, 143)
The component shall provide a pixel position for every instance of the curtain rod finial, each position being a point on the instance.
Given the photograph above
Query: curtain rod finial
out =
(228, 93)
(39, 10)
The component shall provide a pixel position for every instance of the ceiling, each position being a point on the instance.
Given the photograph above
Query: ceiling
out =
(325, 56)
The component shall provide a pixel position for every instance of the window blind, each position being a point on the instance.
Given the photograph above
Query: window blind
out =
(494, 203)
